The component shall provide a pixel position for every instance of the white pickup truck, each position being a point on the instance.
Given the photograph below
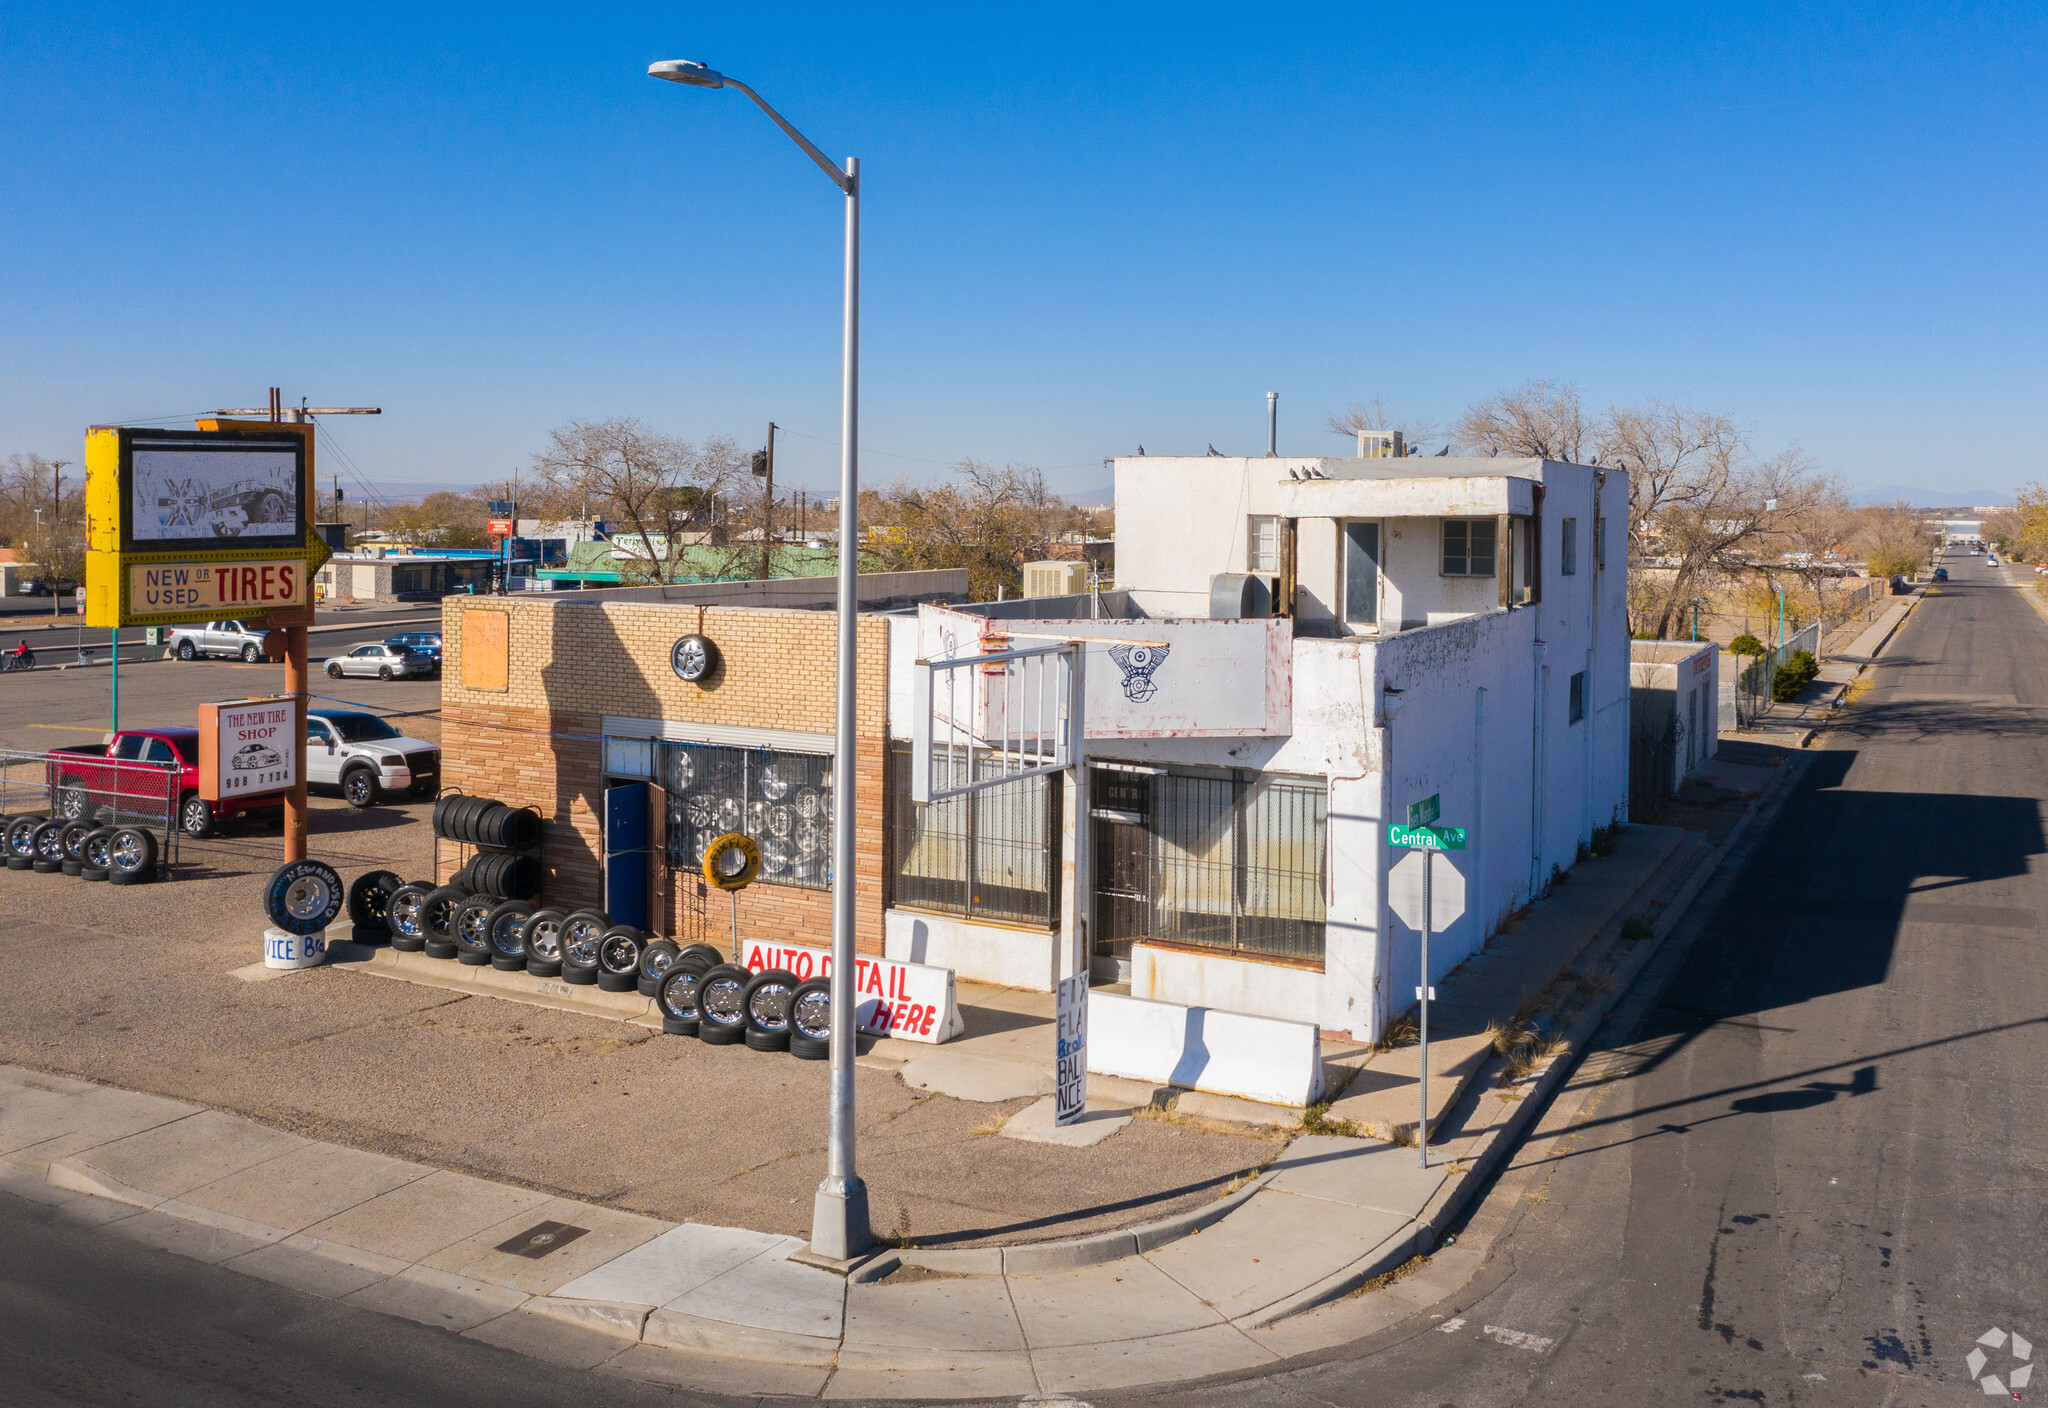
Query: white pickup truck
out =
(366, 757)
(231, 639)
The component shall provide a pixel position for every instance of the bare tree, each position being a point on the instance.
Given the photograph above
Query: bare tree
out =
(42, 516)
(657, 488)
(1538, 420)
(1895, 539)
(987, 520)
(1373, 415)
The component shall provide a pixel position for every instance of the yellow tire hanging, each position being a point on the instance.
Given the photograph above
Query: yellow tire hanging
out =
(718, 850)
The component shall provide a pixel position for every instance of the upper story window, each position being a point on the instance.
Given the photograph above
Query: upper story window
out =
(1470, 546)
(1568, 547)
(1262, 544)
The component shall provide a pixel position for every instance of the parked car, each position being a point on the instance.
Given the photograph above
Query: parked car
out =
(384, 661)
(425, 642)
(1941, 574)
(366, 757)
(226, 639)
(84, 781)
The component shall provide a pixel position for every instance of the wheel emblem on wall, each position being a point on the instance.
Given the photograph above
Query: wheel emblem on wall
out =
(693, 658)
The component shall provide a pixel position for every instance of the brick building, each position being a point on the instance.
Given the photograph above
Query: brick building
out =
(568, 703)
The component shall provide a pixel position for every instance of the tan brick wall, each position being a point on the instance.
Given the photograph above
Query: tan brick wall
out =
(536, 743)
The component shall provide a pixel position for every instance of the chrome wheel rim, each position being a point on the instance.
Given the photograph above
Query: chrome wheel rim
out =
(656, 963)
(811, 1015)
(405, 915)
(96, 853)
(547, 941)
(619, 954)
(723, 1001)
(472, 928)
(125, 851)
(769, 1006)
(680, 999)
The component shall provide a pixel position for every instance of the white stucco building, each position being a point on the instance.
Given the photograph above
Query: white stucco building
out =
(1334, 640)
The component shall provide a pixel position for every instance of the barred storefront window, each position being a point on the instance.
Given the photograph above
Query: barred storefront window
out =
(1229, 860)
(782, 800)
(992, 854)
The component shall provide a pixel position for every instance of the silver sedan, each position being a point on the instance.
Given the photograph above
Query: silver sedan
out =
(386, 662)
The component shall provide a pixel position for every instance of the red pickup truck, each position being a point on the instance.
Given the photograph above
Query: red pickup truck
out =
(128, 775)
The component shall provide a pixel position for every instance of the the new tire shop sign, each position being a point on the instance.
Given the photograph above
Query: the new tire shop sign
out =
(245, 748)
(189, 525)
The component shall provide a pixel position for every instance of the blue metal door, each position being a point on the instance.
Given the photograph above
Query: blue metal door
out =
(626, 856)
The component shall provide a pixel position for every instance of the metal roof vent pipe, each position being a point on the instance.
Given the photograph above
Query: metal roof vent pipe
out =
(1272, 424)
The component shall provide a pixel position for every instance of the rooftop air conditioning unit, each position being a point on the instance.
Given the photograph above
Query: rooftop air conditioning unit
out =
(1055, 578)
(1233, 595)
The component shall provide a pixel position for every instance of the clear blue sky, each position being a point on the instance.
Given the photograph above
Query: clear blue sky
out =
(1085, 227)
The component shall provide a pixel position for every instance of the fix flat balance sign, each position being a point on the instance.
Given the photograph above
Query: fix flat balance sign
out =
(239, 587)
(913, 1001)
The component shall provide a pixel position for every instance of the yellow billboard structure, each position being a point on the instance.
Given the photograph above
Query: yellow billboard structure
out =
(191, 525)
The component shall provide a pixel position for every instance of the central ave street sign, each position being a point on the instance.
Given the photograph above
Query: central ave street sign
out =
(1426, 838)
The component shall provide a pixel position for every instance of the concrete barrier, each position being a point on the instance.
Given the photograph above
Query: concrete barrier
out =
(1202, 1048)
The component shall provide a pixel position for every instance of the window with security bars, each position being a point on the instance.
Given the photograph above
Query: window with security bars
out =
(1469, 546)
(782, 800)
(1231, 861)
(992, 854)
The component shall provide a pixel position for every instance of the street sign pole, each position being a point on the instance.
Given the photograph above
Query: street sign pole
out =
(1422, 1130)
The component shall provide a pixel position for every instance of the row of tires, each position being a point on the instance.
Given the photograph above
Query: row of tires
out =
(121, 855)
(483, 822)
(698, 992)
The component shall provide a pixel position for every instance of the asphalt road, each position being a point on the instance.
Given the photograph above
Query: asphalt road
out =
(57, 640)
(93, 1318)
(1823, 1180)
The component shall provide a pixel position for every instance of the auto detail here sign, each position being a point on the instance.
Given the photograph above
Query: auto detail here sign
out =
(245, 748)
(913, 1001)
(229, 588)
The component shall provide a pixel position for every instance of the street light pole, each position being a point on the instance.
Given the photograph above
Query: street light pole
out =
(839, 1213)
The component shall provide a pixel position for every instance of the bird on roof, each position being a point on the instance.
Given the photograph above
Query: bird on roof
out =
(1292, 475)
(1444, 451)
(1141, 449)
(1214, 451)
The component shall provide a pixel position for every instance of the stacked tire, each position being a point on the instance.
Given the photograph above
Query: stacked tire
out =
(503, 837)
(86, 848)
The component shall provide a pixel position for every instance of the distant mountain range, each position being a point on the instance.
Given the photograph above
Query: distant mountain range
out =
(1921, 497)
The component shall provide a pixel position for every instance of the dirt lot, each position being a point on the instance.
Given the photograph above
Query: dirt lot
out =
(133, 987)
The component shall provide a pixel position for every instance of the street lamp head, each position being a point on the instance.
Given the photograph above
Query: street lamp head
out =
(687, 71)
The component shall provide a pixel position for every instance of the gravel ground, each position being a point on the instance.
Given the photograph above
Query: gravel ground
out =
(133, 987)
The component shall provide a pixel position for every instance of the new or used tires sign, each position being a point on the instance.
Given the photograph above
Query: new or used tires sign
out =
(909, 1000)
(186, 525)
(245, 749)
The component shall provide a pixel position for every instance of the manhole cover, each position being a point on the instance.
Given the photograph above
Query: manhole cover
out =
(537, 1241)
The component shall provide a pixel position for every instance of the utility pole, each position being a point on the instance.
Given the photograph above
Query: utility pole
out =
(53, 546)
(764, 465)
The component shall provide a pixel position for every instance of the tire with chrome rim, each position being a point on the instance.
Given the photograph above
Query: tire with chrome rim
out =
(48, 846)
(471, 930)
(722, 1008)
(94, 852)
(359, 787)
(810, 1020)
(21, 841)
(655, 961)
(195, 817)
(766, 1003)
(131, 856)
(402, 915)
(503, 931)
(677, 997)
(541, 937)
(581, 933)
(618, 958)
(303, 896)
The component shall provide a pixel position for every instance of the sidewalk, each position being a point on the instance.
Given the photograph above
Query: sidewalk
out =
(1794, 724)
(1242, 1281)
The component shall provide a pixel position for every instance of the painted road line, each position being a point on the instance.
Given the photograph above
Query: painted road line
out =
(1519, 1339)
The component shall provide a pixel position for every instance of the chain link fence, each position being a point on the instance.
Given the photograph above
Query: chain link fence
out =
(84, 784)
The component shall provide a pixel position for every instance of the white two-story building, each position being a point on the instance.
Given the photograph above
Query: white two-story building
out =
(1326, 642)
